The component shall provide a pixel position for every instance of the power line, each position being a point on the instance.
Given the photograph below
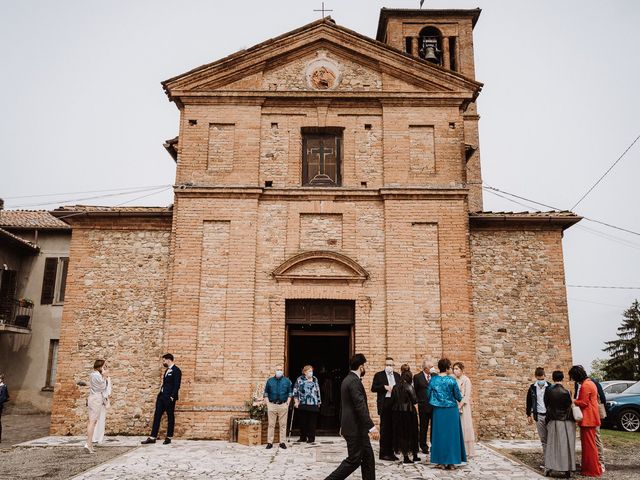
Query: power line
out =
(119, 204)
(595, 303)
(606, 173)
(82, 192)
(164, 187)
(494, 190)
(604, 286)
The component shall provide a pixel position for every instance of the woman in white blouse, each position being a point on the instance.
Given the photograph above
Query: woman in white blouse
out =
(99, 389)
(465, 408)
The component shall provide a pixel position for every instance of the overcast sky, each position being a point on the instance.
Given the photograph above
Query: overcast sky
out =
(83, 110)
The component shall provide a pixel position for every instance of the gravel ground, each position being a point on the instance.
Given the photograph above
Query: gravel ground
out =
(622, 460)
(52, 462)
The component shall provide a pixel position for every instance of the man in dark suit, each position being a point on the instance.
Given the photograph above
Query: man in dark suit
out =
(166, 400)
(420, 383)
(383, 383)
(356, 425)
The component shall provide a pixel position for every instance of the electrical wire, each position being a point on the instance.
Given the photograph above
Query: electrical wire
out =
(164, 187)
(604, 286)
(82, 192)
(595, 303)
(493, 189)
(605, 173)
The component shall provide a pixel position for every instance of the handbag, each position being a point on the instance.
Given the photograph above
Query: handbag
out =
(602, 410)
(577, 413)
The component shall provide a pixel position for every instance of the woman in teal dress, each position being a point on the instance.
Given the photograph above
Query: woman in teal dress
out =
(447, 442)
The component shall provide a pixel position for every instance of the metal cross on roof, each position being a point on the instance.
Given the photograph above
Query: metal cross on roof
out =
(323, 10)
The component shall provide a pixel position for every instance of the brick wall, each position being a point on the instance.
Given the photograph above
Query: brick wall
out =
(520, 308)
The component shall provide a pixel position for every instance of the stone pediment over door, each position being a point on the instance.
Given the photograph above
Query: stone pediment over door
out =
(320, 266)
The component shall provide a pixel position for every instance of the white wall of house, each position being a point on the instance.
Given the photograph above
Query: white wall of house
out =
(25, 357)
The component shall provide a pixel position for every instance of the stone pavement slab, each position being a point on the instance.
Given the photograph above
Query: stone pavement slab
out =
(217, 460)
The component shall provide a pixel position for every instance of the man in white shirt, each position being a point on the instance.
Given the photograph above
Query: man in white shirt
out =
(536, 409)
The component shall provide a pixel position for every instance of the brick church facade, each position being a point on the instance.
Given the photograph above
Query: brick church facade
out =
(327, 201)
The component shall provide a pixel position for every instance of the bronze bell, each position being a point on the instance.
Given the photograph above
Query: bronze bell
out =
(430, 50)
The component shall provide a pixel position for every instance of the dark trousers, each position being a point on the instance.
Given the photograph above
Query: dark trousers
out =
(386, 429)
(1, 406)
(359, 454)
(424, 412)
(164, 404)
(307, 420)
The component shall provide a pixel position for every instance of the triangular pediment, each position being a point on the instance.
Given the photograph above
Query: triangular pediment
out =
(325, 58)
(322, 266)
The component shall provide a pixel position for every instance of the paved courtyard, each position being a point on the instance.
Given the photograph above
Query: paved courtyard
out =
(213, 460)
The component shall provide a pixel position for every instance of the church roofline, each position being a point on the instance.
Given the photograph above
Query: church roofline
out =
(327, 22)
(386, 13)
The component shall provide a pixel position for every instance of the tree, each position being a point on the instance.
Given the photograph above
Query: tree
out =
(625, 351)
(598, 367)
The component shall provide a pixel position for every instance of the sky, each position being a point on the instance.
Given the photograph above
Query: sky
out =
(83, 111)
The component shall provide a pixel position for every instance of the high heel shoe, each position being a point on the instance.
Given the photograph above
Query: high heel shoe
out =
(88, 449)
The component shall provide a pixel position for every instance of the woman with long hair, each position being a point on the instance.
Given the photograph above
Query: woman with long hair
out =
(447, 442)
(405, 420)
(588, 402)
(99, 386)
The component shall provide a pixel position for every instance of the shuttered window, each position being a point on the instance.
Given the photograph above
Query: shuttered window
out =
(49, 281)
(54, 281)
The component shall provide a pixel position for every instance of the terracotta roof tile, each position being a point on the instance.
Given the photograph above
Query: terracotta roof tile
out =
(21, 242)
(28, 219)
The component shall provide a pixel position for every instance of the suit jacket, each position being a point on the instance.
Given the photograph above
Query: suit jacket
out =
(379, 381)
(420, 384)
(171, 383)
(355, 419)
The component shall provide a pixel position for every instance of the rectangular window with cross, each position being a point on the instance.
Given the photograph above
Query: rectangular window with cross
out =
(322, 157)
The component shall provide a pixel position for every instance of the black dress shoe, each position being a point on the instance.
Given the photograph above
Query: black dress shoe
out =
(406, 460)
(269, 445)
(389, 458)
(167, 441)
(283, 445)
(416, 458)
(394, 457)
(425, 451)
(148, 441)
(302, 440)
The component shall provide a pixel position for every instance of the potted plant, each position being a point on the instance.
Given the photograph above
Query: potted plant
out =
(26, 302)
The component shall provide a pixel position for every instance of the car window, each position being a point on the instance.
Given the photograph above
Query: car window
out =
(620, 387)
(634, 389)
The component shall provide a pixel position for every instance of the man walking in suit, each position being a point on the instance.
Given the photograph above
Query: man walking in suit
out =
(166, 400)
(420, 383)
(355, 425)
(383, 383)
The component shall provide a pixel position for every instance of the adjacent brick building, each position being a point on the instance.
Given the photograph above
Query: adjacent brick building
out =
(328, 200)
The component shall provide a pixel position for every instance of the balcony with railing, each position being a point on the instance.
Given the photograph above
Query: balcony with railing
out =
(15, 315)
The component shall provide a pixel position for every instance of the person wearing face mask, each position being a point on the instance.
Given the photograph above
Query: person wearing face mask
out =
(166, 400)
(536, 409)
(277, 394)
(306, 398)
(383, 383)
(355, 424)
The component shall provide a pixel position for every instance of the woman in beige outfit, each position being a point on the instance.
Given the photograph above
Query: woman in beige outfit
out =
(99, 387)
(465, 408)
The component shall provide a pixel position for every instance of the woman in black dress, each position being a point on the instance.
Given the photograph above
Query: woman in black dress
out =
(405, 419)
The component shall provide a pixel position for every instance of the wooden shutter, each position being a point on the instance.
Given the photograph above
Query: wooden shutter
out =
(7, 293)
(63, 278)
(49, 280)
